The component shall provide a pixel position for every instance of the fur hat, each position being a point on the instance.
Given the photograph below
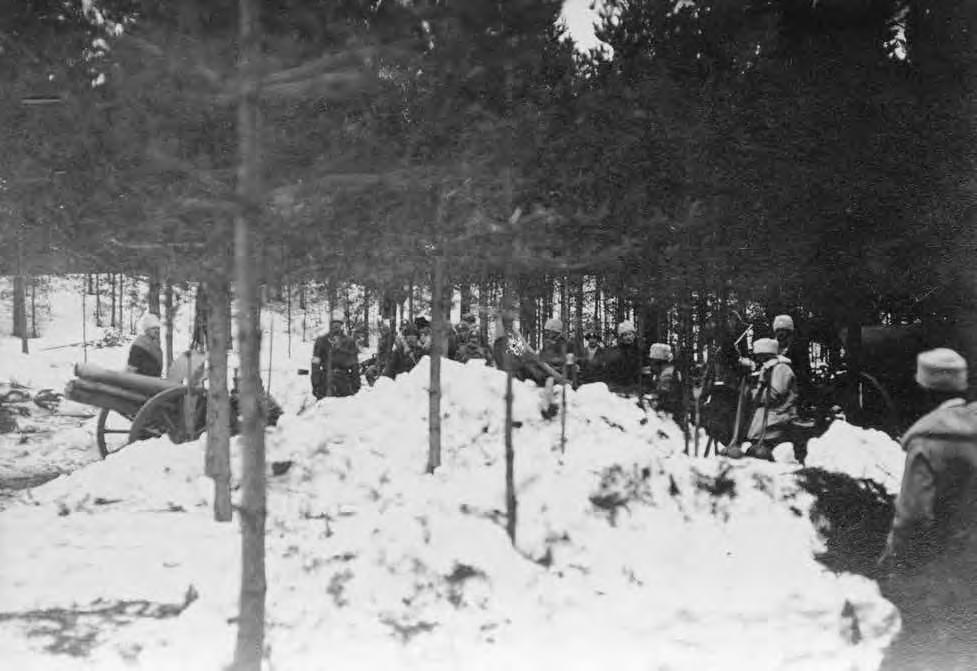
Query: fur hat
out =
(422, 322)
(626, 327)
(941, 369)
(783, 322)
(149, 321)
(660, 352)
(766, 346)
(553, 324)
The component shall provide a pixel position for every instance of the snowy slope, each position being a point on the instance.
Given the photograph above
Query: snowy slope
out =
(629, 555)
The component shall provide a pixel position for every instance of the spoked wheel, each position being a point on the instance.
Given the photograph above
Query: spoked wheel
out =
(113, 431)
(163, 415)
(869, 403)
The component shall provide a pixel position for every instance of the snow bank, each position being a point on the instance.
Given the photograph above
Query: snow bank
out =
(860, 453)
(627, 553)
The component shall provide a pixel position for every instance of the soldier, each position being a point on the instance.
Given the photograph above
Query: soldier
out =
(774, 400)
(335, 363)
(468, 341)
(624, 361)
(800, 360)
(665, 381)
(146, 355)
(592, 357)
(931, 553)
(406, 353)
(555, 345)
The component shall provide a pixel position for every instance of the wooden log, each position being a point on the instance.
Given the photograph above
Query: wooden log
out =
(102, 396)
(141, 384)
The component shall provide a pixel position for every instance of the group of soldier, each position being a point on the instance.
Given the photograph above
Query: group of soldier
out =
(625, 365)
(931, 553)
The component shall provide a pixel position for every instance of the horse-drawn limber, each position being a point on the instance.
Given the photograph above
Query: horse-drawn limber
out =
(137, 407)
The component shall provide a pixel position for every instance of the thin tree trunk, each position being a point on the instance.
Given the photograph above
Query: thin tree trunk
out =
(465, 298)
(598, 308)
(98, 299)
(578, 315)
(168, 327)
(434, 385)
(511, 505)
(112, 278)
(288, 316)
(251, 618)
(484, 289)
(20, 299)
(153, 297)
(564, 301)
(218, 459)
(89, 286)
(410, 301)
(33, 307)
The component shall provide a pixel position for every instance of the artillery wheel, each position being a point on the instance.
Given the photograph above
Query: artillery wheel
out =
(163, 415)
(113, 431)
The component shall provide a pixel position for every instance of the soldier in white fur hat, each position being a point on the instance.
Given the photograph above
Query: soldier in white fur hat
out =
(146, 354)
(931, 552)
(774, 398)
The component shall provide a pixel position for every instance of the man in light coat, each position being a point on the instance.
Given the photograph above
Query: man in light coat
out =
(930, 559)
(774, 400)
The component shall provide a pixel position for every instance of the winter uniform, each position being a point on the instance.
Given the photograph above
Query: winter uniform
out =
(665, 381)
(623, 362)
(406, 353)
(145, 354)
(775, 401)
(336, 356)
(931, 550)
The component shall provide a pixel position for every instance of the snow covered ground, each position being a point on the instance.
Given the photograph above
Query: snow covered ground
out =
(47, 443)
(628, 554)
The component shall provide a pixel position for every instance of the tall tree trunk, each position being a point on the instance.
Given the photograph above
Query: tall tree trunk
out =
(20, 299)
(578, 312)
(598, 308)
(288, 316)
(98, 299)
(251, 619)
(168, 327)
(201, 318)
(564, 302)
(484, 289)
(465, 298)
(33, 283)
(437, 348)
(366, 314)
(89, 284)
(152, 298)
(112, 280)
(218, 456)
(410, 301)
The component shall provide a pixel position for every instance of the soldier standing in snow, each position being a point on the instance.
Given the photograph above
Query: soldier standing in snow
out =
(146, 355)
(624, 361)
(592, 358)
(931, 551)
(665, 382)
(468, 341)
(335, 363)
(406, 353)
(783, 331)
(774, 400)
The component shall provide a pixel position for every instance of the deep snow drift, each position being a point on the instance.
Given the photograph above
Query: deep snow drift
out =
(629, 555)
